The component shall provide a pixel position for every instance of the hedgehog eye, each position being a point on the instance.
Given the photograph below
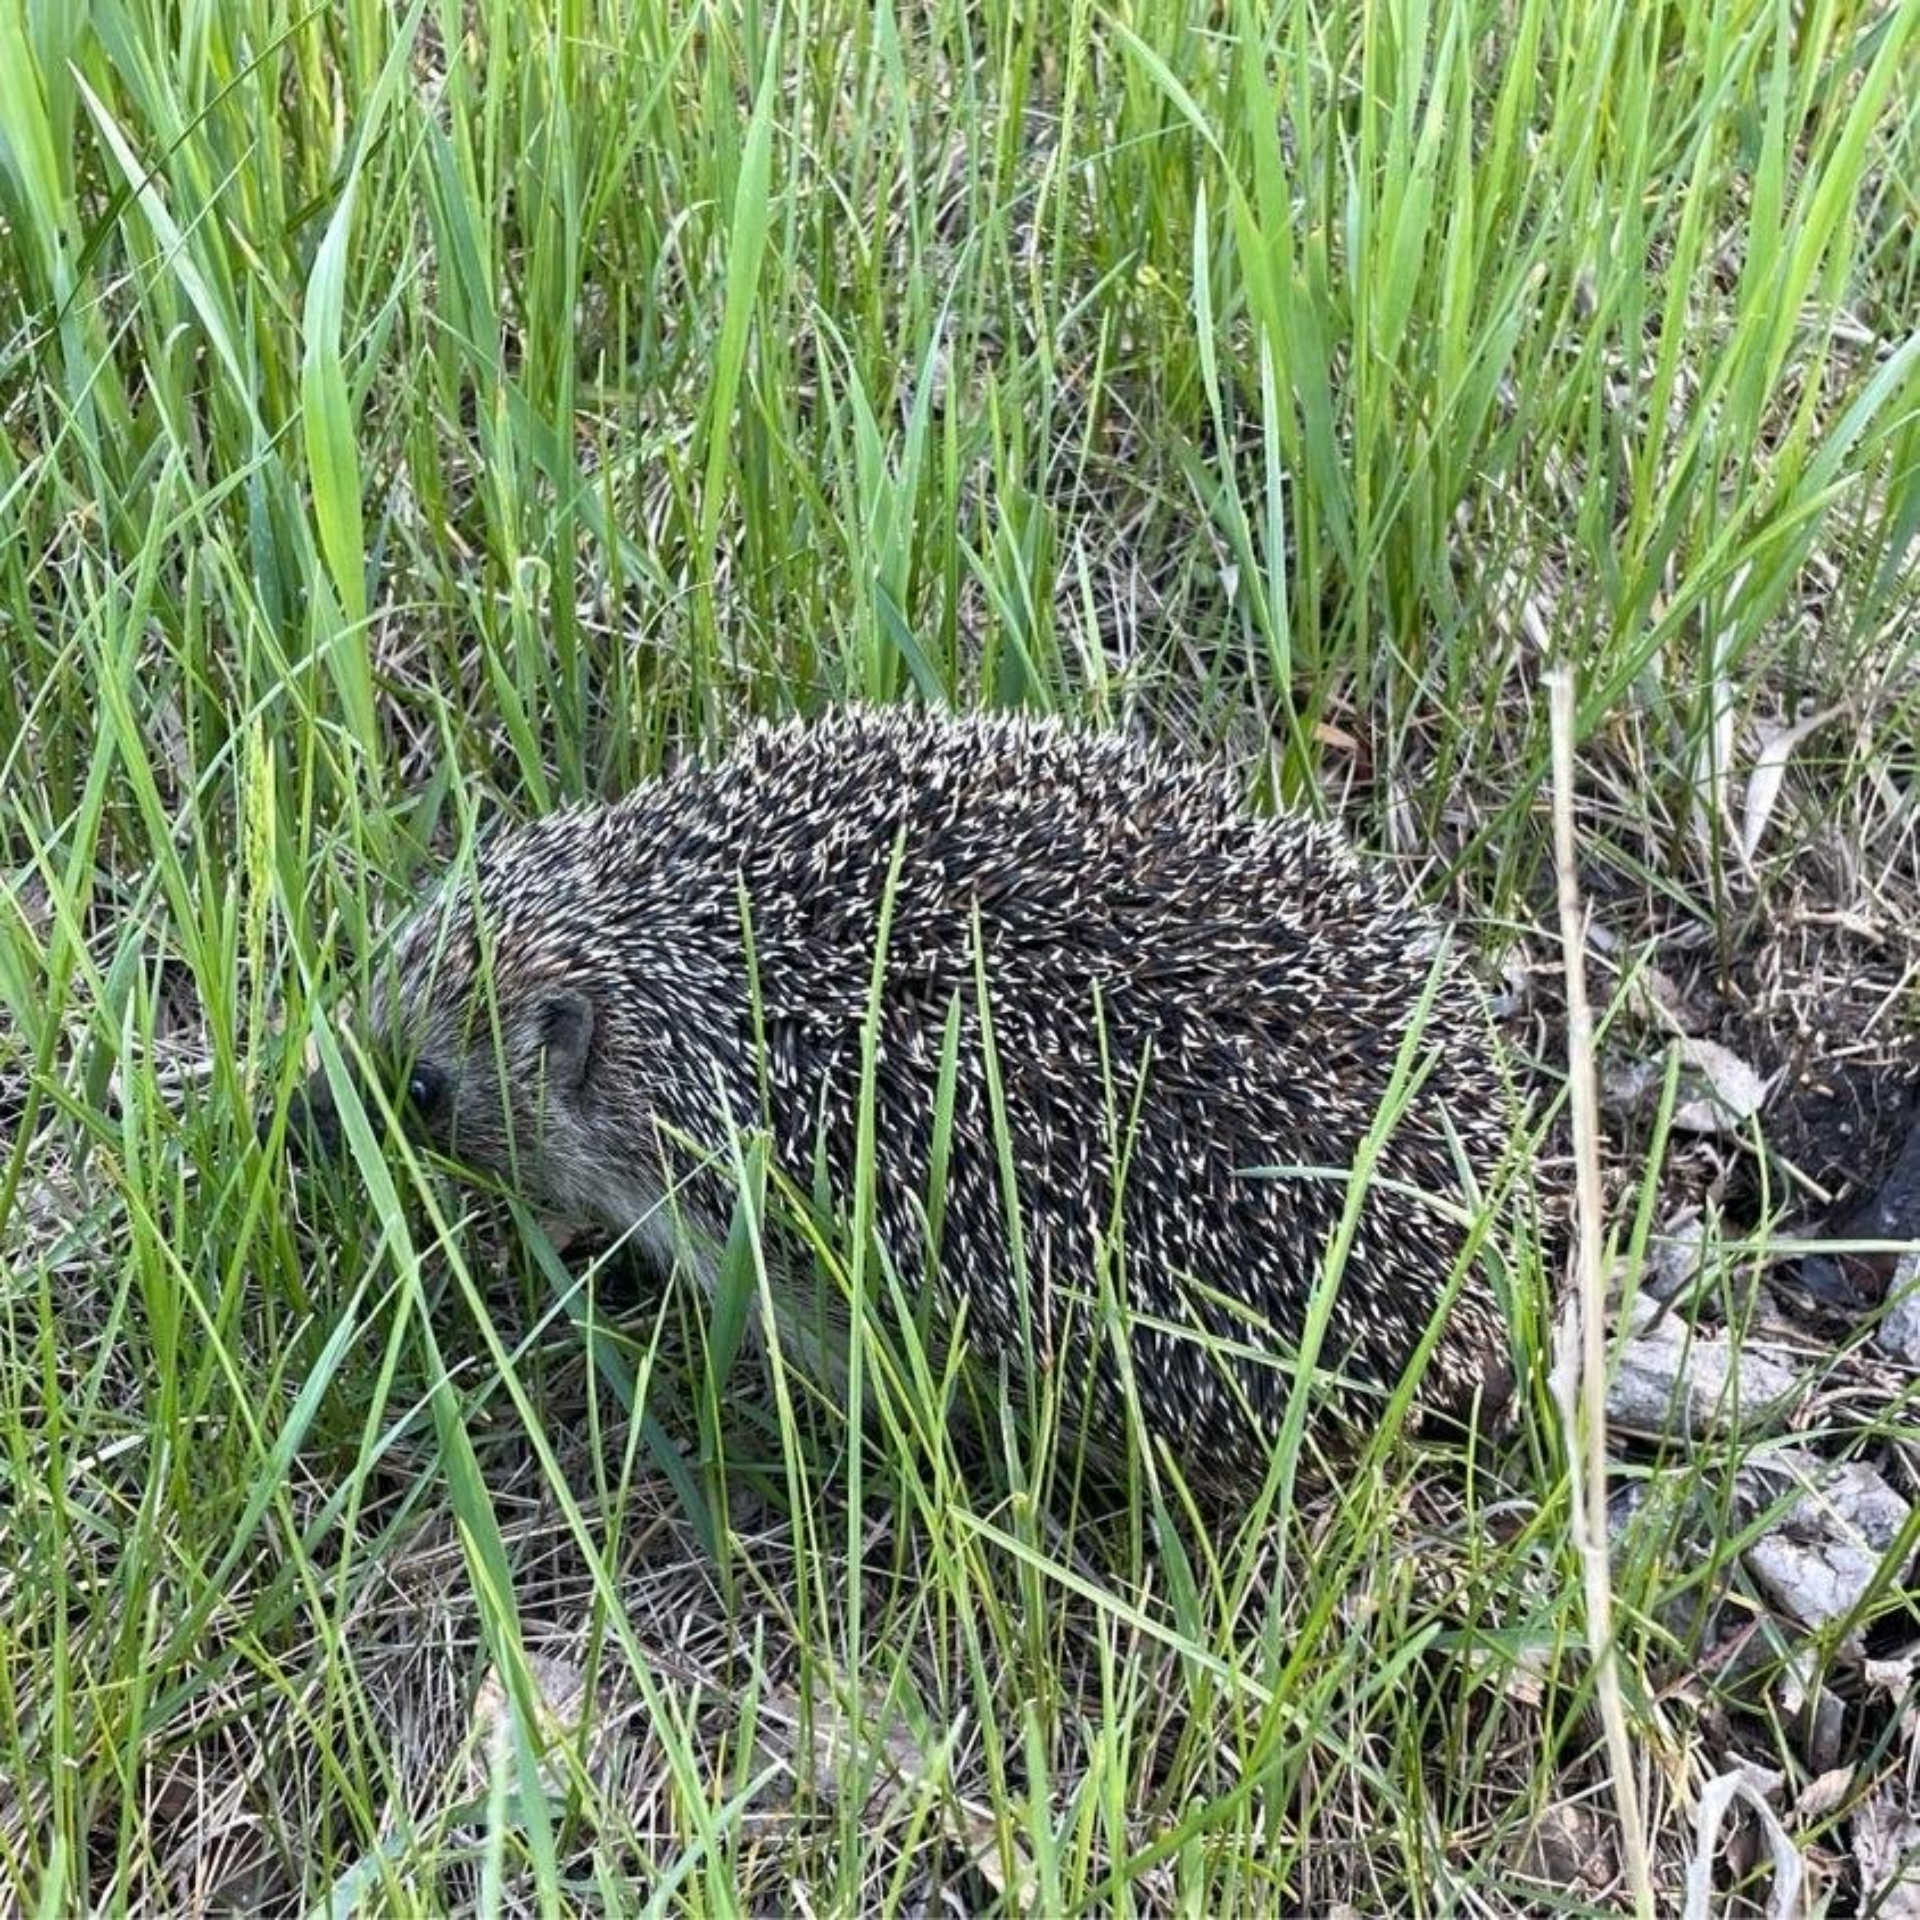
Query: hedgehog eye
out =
(427, 1090)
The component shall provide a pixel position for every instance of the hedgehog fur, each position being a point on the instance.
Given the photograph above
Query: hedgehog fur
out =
(1211, 1003)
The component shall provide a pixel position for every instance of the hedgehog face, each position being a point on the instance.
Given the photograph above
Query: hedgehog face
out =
(492, 1063)
(501, 1085)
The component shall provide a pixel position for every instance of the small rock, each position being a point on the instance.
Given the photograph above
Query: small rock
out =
(1671, 1517)
(1675, 1256)
(1824, 1554)
(1670, 1379)
(1898, 1334)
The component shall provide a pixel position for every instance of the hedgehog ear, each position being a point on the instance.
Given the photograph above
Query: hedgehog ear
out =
(566, 1035)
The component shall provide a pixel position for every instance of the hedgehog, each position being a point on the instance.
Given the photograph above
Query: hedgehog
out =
(1161, 1032)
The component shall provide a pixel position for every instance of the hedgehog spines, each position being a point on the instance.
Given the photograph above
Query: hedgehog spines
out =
(1244, 986)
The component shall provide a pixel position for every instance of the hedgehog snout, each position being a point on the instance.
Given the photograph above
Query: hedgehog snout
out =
(315, 1130)
(508, 1099)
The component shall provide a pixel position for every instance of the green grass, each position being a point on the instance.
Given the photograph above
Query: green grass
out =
(411, 414)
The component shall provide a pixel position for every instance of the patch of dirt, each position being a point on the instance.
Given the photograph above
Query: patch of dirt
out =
(1828, 1007)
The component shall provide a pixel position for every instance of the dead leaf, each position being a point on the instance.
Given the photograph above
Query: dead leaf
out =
(1733, 1094)
(1769, 774)
(1326, 734)
(1820, 1796)
(1654, 996)
(1753, 1785)
(1892, 1676)
(1886, 1849)
(1570, 1845)
(560, 1705)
